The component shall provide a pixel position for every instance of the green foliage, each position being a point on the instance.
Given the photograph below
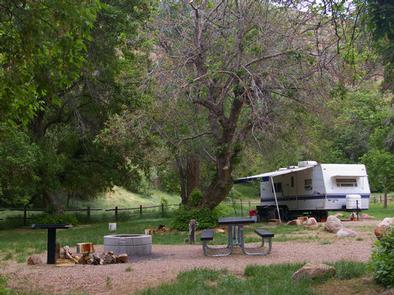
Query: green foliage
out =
(383, 260)
(42, 50)
(205, 217)
(195, 198)
(380, 165)
(19, 159)
(54, 218)
(379, 16)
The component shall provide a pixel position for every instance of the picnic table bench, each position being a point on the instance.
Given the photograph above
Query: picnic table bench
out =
(206, 237)
(261, 250)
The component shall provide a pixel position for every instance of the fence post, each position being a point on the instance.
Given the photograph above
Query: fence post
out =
(116, 213)
(140, 210)
(24, 215)
(88, 213)
(162, 209)
(242, 211)
(249, 206)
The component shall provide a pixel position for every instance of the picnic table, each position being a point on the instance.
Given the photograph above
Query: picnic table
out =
(235, 229)
(236, 238)
(51, 245)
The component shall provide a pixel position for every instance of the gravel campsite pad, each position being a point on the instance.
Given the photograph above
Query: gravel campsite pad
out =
(167, 261)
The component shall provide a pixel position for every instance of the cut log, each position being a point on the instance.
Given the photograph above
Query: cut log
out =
(122, 258)
(84, 248)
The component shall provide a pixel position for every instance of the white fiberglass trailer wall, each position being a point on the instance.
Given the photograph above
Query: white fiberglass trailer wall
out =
(314, 187)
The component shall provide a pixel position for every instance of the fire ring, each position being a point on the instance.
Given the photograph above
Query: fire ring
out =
(132, 244)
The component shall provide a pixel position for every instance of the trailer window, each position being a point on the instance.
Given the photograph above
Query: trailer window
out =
(308, 184)
(346, 182)
(278, 187)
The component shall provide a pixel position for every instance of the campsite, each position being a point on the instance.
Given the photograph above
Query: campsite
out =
(196, 147)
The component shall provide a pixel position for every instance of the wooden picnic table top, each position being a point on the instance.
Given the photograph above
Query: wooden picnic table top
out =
(236, 220)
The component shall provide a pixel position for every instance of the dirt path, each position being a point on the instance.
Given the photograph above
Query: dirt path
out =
(167, 261)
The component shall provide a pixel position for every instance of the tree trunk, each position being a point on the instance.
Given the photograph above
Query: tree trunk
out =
(48, 201)
(221, 184)
(182, 180)
(189, 177)
(192, 174)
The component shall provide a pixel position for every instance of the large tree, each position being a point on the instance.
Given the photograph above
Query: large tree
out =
(237, 65)
(77, 63)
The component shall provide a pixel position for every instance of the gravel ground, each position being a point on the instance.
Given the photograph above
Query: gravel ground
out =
(167, 261)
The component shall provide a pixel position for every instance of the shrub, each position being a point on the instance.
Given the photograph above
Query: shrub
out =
(54, 218)
(195, 197)
(383, 260)
(205, 217)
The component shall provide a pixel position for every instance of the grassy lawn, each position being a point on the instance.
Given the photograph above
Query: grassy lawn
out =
(261, 279)
(18, 244)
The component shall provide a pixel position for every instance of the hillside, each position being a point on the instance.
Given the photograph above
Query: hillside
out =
(123, 198)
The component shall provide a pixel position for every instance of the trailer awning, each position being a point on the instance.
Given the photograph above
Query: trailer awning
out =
(270, 174)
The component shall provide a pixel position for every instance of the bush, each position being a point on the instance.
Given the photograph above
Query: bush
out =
(195, 197)
(205, 217)
(383, 260)
(54, 218)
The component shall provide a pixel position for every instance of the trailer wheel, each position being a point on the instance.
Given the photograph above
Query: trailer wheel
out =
(320, 215)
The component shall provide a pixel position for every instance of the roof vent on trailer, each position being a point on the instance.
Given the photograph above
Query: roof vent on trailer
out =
(307, 163)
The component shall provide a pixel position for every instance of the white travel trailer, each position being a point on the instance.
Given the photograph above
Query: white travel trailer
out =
(312, 188)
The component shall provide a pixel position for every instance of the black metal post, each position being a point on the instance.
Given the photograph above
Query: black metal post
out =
(242, 211)
(140, 210)
(51, 259)
(25, 215)
(88, 212)
(162, 209)
(116, 213)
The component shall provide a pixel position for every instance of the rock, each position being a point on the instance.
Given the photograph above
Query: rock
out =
(220, 230)
(302, 219)
(333, 224)
(294, 222)
(34, 260)
(366, 216)
(312, 271)
(346, 232)
(311, 223)
(388, 292)
(122, 258)
(383, 226)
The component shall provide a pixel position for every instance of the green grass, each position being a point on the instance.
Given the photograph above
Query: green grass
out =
(257, 279)
(377, 210)
(20, 243)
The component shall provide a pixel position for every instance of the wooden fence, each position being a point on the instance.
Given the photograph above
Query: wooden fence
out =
(162, 209)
